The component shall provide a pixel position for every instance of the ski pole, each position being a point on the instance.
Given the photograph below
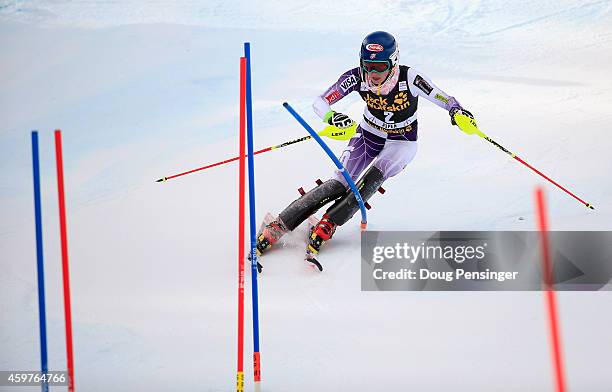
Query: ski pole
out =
(468, 125)
(329, 131)
(234, 159)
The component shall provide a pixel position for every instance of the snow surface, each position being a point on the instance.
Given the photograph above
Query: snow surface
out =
(146, 89)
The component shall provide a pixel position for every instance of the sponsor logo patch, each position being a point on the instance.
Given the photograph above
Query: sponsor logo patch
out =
(363, 87)
(375, 47)
(423, 85)
(333, 96)
(441, 98)
(348, 83)
(400, 98)
(403, 85)
(400, 102)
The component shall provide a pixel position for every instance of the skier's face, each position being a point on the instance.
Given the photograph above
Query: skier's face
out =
(377, 78)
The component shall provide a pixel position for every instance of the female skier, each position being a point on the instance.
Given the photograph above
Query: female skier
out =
(386, 138)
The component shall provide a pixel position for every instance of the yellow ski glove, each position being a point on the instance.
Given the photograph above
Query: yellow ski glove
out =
(465, 121)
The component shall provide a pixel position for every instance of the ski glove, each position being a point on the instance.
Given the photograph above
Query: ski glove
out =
(465, 121)
(338, 120)
(458, 110)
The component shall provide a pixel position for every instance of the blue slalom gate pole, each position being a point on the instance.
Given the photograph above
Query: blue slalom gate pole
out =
(251, 161)
(39, 260)
(364, 218)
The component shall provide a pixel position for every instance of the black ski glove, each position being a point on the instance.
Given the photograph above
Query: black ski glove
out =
(459, 110)
(339, 120)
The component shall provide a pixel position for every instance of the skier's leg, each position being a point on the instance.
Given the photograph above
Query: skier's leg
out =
(363, 149)
(395, 156)
(392, 159)
(358, 154)
(343, 209)
(299, 210)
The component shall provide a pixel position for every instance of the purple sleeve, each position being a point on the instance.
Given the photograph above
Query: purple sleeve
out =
(346, 84)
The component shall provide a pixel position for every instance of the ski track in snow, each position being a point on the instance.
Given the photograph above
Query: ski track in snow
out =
(145, 89)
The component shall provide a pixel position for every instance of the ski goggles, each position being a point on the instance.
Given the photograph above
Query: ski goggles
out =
(375, 66)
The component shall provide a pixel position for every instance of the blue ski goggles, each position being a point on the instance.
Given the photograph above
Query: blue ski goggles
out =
(379, 66)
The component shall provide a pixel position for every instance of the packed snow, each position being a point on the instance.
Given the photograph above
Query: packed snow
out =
(143, 90)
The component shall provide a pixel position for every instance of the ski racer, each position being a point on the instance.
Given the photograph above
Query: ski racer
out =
(384, 143)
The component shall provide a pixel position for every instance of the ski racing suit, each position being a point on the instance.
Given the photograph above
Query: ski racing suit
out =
(386, 138)
(387, 134)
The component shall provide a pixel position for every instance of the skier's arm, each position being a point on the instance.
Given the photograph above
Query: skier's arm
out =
(422, 86)
(346, 84)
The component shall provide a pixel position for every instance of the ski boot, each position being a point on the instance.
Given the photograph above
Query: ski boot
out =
(319, 234)
(268, 236)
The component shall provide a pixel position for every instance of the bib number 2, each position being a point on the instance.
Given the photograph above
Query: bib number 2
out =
(388, 116)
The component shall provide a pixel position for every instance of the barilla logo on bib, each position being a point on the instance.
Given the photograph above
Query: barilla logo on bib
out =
(375, 47)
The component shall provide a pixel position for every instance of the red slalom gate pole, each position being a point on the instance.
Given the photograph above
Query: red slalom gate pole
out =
(241, 217)
(551, 302)
(64, 246)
